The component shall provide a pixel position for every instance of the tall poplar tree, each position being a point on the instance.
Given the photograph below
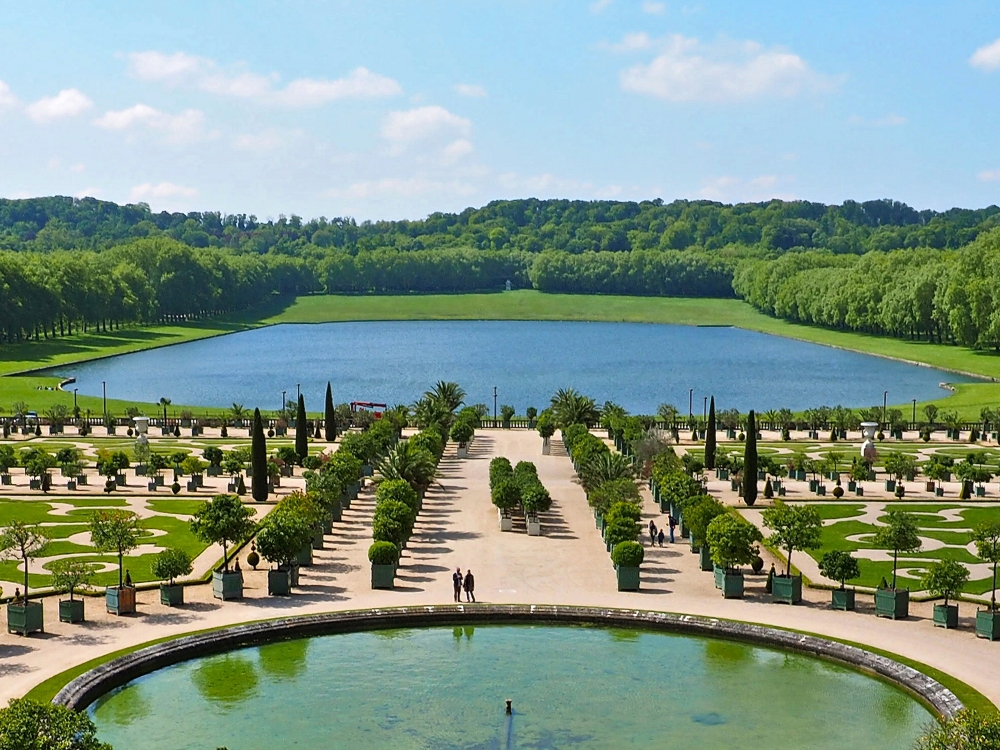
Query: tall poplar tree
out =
(301, 433)
(710, 436)
(258, 458)
(330, 416)
(750, 462)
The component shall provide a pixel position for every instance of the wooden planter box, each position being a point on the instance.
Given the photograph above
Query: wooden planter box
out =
(317, 540)
(786, 589)
(695, 547)
(151, 486)
(25, 618)
(120, 601)
(705, 558)
(892, 604)
(890, 485)
(305, 556)
(171, 596)
(946, 616)
(71, 610)
(214, 471)
(628, 578)
(70, 484)
(383, 576)
(843, 599)
(719, 574)
(227, 585)
(279, 582)
(988, 624)
(732, 585)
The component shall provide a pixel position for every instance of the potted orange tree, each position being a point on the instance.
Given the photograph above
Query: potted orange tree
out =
(117, 531)
(987, 539)
(899, 535)
(792, 527)
(840, 566)
(224, 521)
(67, 577)
(168, 565)
(946, 578)
(23, 542)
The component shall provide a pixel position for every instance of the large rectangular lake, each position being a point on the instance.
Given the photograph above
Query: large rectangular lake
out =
(637, 365)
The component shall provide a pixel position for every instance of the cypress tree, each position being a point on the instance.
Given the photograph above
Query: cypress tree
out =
(750, 462)
(258, 458)
(301, 431)
(330, 416)
(710, 436)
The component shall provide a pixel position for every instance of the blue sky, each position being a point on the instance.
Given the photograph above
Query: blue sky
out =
(397, 109)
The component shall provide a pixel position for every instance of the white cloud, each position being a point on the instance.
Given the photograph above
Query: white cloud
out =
(654, 9)
(7, 98)
(734, 189)
(78, 168)
(90, 192)
(160, 191)
(423, 123)
(266, 140)
(890, 120)
(184, 127)
(404, 187)
(67, 103)
(206, 74)
(456, 150)
(53, 163)
(986, 57)
(598, 6)
(630, 43)
(468, 89)
(687, 70)
(989, 175)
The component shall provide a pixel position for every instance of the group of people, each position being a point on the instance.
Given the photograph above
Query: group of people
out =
(657, 537)
(466, 583)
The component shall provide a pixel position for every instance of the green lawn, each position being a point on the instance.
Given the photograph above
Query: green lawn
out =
(517, 305)
(955, 534)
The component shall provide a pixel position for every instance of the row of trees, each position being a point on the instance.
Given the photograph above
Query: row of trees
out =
(531, 225)
(948, 297)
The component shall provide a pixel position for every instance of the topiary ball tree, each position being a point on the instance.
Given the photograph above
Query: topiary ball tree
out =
(838, 565)
(171, 563)
(946, 578)
(628, 554)
(750, 462)
(383, 553)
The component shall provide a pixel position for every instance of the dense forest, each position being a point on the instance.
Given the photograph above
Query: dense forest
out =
(877, 266)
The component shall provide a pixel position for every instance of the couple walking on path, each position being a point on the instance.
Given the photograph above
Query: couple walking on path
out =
(468, 583)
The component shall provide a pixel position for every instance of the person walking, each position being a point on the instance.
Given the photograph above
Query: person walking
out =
(673, 523)
(652, 533)
(659, 537)
(470, 587)
(456, 582)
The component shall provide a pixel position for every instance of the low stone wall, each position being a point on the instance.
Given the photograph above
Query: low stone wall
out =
(87, 688)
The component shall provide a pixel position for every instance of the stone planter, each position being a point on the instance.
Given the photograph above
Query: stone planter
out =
(506, 522)
(383, 576)
(120, 601)
(732, 584)
(705, 558)
(279, 582)
(227, 584)
(305, 556)
(988, 624)
(71, 610)
(946, 616)
(171, 596)
(628, 578)
(892, 604)
(843, 599)
(534, 527)
(786, 589)
(25, 618)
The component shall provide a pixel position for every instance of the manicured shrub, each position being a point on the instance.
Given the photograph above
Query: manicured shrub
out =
(397, 511)
(171, 563)
(500, 469)
(732, 541)
(397, 490)
(383, 553)
(462, 431)
(386, 529)
(615, 491)
(628, 554)
(505, 494)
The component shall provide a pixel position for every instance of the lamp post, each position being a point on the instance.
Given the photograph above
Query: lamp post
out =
(104, 387)
(704, 409)
(690, 402)
(282, 401)
(74, 398)
(494, 405)
(914, 411)
(885, 398)
(298, 390)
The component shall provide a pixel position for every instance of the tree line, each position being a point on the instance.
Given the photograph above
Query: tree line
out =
(950, 296)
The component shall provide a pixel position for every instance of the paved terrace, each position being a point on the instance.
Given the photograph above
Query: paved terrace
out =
(458, 527)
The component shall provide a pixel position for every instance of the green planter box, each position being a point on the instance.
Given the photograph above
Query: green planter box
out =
(382, 576)
(628, 578)
(305, 556)
(719, 575)
(171, 596)
(723, 474)
(694, 545)
(946, 616)
(786, 589)
(843, 599)
(227, 585)
(317, 540)
(813, 484)
(120, 601)
(25, 618)
(892, 604)
(684, 529)
(988, 624)
(279, 582)
(732, 585)
(852, 485)
(890, 485)
(705, 558)
(71, 611)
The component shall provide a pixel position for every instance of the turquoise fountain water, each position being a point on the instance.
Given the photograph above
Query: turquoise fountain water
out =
(440, 688)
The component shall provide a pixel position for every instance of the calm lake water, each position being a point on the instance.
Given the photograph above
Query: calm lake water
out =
(443, 688)
(637, 365)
